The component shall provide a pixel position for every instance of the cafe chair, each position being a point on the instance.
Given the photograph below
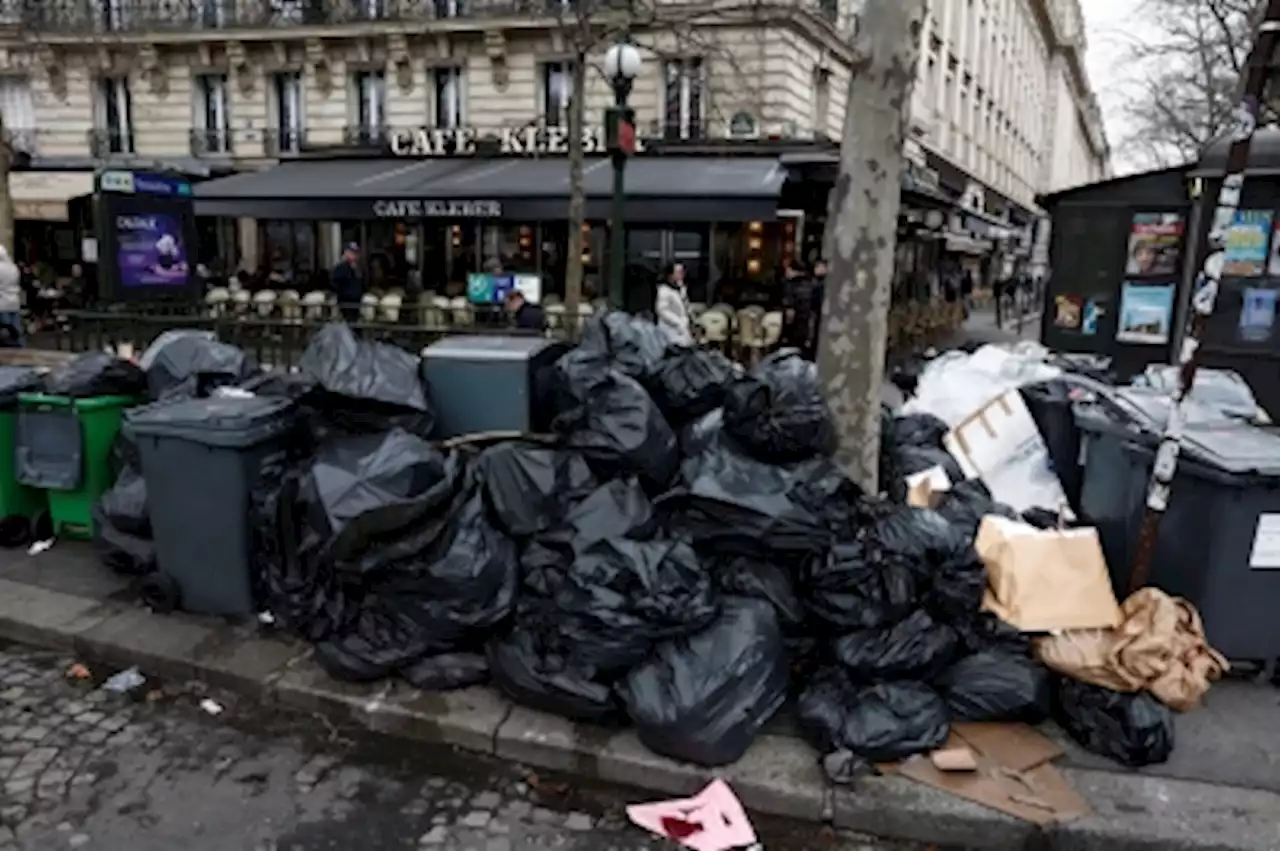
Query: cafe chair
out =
(439, 315)
(240, 300)
(555, 315)
(750, 334)
(696, 309)
(315, 306)
(460, 312)
(729, 311)
(234, 286)
(772, 324)
(369, 307)
(264, 303)
(289, 309)
(712, 329)
(389, 306)
(216, 300)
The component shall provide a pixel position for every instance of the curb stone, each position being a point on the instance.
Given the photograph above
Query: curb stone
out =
(779, 775)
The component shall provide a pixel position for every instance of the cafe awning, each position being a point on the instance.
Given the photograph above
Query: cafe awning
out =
(659, 189)
(43, 195)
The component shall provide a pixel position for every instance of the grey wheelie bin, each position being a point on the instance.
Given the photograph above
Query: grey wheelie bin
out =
(201, 459)
(1219, 541)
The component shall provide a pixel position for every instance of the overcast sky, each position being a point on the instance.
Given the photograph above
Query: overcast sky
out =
(1111, 24)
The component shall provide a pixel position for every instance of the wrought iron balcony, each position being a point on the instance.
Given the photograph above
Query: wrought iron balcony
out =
(105, 143)
(211, 142)
(283, 142)
(364, 136)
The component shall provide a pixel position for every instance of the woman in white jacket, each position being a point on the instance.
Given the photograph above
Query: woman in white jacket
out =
(672, 306)
(10, 296)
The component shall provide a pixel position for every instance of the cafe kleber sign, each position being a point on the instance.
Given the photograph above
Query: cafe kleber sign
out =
(410, 208)
(518, 141)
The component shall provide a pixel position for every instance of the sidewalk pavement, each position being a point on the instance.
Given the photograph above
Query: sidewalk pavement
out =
(1219, 792)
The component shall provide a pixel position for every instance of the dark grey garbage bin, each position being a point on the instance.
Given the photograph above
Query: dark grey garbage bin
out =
(201, 459)
(1219, 541)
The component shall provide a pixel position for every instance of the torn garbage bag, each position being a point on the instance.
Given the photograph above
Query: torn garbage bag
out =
(1134, 729)
(621, 432)
(364, 386)
(915, 648)
(779, 412)
(529, 487)
(997, 686)
(882, 723)
(443, 598)
(704, 698)
(97, 374)
(690, 383)
(194, 366)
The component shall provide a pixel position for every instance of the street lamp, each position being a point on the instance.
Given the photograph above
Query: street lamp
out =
(621, 66)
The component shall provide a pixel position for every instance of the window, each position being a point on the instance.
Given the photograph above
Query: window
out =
(685, 110)
(450, 97)
(212, 123)
(288, 114)
(557, 84)
(821, 102)
(114, 118)
(114, 15)
(370, 90)
(370, 10)
(450, 8)
(19, 112)
(212, 14)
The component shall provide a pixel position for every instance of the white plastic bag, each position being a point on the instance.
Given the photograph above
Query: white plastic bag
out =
(955, 385)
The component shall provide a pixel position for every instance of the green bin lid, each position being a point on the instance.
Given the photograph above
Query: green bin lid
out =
(232, 421)
(89, 403)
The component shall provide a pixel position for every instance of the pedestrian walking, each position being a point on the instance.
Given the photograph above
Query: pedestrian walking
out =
(10, 299)
(347, 283)
(672, 306)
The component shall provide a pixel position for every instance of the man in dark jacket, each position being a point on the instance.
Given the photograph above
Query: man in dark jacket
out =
(347, 283)
(525, 315)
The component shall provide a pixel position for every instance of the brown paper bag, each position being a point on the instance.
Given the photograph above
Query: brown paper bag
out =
(1042, 580)
(925, 489)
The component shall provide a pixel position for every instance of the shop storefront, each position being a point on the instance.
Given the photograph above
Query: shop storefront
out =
(425, 223)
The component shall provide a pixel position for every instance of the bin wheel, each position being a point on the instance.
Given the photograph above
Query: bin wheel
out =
(15, 531)
(160, 593)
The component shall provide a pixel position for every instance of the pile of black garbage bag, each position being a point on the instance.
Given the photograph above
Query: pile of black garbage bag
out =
(682, 554)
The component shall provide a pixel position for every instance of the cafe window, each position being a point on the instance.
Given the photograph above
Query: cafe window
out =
(450, 97)
(557, 84)
(386, 263)
(290, 255)
(509, 249)
(684, 99)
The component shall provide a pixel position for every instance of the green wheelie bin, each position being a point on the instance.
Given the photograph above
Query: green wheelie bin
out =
(16, 499)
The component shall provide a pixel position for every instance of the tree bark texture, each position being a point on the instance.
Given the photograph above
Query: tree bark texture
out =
(577, 191)
(862, 224)
(6, 200)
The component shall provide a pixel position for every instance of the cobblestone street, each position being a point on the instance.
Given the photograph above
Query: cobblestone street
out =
(82, 768)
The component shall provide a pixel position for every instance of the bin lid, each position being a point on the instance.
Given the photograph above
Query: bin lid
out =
(15, 380)
(488, 347)
(231, 422)
(1237, 448)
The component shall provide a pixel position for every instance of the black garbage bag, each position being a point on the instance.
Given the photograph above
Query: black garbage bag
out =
(435, 601)
(195, 366)
(1133, 729)
(702, 435)
(737, 505)
(526, 669)
(882, 723)
(704, 698)
(984, 631)
(845, 590)
(122, 552)
(18, 379)
(690, 383)
(97, 374)
(125, 504)
(372, 487)
(915, 648)
(920, 429)
(967, 502)
(280, 384)
(621, 596)
(124, 454)
(363, 386)
(530, 487)
(911, 444)
(779, 412)
(621, 432)
(447, 671)
(759, 579)
(630, 344)
(997, 686)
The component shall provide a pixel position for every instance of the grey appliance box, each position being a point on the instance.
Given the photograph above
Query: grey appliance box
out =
(483, 382)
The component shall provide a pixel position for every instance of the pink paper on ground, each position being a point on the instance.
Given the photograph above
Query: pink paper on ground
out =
(717, 813)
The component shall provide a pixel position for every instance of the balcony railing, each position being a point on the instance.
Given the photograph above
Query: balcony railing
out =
(279, 142)
(73, 18)
(364, 136)
(211, 142)
(105, 142)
